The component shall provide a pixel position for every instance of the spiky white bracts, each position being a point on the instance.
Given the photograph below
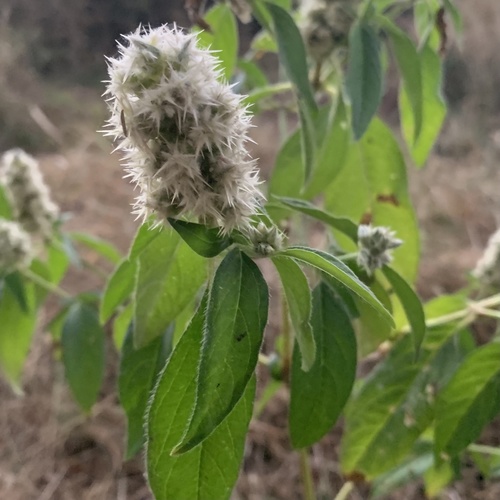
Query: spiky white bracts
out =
(182, 132)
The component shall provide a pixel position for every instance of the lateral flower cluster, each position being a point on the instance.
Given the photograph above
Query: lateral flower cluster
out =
(181, 131)
(33, 211)
(487, 269)
(27, 193)
(15, 247)
(375, 246)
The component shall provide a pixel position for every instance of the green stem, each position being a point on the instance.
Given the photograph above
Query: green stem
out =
(348, 256)
(305, 471)
(47, 285)
(487, 450)
(470, 313)
(344, 491)
(287, 340)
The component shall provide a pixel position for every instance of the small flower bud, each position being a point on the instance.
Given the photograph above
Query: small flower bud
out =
(265, 240)
(27, 193)
(181, 130)
(326, 26)
(15, 247)
(487, 269)
(375, 246)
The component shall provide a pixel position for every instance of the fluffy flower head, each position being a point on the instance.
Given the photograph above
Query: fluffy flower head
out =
(15, 246)
(487, 269)
(375, 246)
(182, 132)
(27, 193)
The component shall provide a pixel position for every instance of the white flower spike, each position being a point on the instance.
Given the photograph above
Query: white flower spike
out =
(27, 193)
(15, 247)
(375, 246)
(182, 132)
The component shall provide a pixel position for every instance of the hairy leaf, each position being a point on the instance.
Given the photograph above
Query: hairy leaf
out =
(82, 344)
(469, 401)
(235, 321)
(338, 270)
(210, 469)
(364, 76)
(298, 297)
(318, 396)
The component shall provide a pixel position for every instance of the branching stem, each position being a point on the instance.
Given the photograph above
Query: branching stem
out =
(46, 285)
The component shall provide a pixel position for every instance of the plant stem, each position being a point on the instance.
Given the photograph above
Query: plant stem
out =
(287, 340)
(305, 472)
(481, 448)
(473, 309)
(348, 256)
(47, 285)
(344, 491)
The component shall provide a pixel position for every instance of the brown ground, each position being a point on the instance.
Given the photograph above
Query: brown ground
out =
(49, 451)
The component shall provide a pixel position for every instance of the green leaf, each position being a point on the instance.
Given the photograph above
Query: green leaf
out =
(138, 371)
(411, 305)
(417, 463)
(169, 274)
(298, 297)
(469, 401)
(16, 331)
(5, 208)
(433, 111)
(57, 262)
(293, 57)
(121, 324)
(210, 469)
(342, 224)
(455, 15)
(333, 152)
(235, 320)
(364, 77)
(119, 287)
(318, 396)
(254, 76)
(437, 477)
(83, 353)
(205, 241)
(223, 38)
(372, 329)
(409, 64)
(14, 282)
(102, 247)
(144, 236)
(288, 173)
(395, 404)
(338, 270)
(307, 140)
(372, 186)
(292, 53)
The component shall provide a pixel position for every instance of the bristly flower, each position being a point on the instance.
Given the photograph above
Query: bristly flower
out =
(375, 246)
(181, 130)
(15, 247)
(487, 269)
(27, 193)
